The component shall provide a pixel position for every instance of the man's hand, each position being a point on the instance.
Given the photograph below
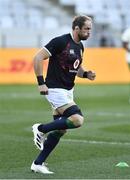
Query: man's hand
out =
(43, 89)
(91, 75)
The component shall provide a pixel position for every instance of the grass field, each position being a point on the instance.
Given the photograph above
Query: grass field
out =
(89, 152)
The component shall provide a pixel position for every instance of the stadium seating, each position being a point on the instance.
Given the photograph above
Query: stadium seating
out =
(41, 16)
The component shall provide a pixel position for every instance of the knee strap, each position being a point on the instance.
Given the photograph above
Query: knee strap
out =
(74, 109)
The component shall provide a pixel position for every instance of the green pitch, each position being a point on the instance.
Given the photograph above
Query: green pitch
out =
(89, 152)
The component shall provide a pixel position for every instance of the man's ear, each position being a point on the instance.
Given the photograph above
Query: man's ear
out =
(76, 28)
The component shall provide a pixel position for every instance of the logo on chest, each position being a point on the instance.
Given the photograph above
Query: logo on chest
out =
(71, 51)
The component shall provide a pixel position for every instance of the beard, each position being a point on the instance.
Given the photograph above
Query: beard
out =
(81, 37)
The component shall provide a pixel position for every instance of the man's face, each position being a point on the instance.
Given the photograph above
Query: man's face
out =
(85, 31)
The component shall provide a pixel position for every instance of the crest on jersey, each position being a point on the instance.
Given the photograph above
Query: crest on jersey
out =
(71, 51)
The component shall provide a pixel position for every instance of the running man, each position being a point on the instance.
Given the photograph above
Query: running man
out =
(65, 63)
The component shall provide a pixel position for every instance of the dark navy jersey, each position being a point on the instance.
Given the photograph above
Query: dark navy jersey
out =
(64, 62)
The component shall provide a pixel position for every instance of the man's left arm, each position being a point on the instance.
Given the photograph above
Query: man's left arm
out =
(86, 74)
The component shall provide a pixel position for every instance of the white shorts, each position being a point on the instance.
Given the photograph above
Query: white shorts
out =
(58, 97)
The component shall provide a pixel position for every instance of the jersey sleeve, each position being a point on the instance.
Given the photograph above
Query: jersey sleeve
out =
(55, 46)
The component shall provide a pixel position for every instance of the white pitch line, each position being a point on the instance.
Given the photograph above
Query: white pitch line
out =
(95, 142)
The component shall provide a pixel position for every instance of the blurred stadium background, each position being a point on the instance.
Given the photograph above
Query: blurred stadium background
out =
(31, 23)
(91, 152)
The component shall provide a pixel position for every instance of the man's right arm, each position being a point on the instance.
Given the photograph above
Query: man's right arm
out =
(43, 54)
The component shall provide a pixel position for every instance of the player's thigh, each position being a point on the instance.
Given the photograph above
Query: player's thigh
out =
(62, 109)
(55, 112)
(73, 113)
